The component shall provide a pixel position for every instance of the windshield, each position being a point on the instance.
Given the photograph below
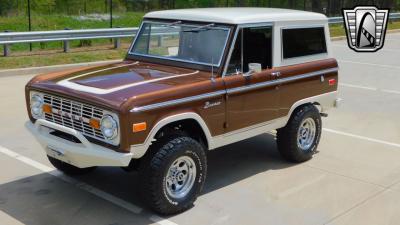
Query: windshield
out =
(201, 44)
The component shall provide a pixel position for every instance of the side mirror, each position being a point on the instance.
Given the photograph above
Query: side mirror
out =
(248, 74)
(253, 68)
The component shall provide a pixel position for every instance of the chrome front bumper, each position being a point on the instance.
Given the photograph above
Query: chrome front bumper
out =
(82, 155)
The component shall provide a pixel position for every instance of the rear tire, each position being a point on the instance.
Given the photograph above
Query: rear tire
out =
(298, 140)
(68, 168)
(173, 173)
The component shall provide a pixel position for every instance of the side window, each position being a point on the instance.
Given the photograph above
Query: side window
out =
(303, 42)
(253, 45)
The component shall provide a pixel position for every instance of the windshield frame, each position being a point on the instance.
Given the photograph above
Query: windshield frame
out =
(155, 58)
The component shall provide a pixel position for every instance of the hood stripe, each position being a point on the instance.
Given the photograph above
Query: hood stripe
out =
(67, 83)
(102, 70)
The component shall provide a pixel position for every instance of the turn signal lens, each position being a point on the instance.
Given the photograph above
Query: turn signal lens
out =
(94, 123)
(137, 127)
(47, 109)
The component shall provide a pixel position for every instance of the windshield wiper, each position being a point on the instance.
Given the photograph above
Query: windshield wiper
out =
(197, 29)
(174, 23)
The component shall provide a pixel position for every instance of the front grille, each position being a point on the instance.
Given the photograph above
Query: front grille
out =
(74, 115)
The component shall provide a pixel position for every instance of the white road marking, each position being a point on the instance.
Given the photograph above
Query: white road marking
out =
(83, 186)
(391, 91)
(369, 88)
(358, 86)
(369, 64)
(7, 219)
(362, 137)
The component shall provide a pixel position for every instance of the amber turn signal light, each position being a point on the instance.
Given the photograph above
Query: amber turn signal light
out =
(137, 127)
(47, 109)
(94, 123)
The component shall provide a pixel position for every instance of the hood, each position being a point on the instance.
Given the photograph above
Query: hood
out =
(113, 84)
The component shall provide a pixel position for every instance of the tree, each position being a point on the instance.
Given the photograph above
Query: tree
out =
(6, 7)
(316, 6)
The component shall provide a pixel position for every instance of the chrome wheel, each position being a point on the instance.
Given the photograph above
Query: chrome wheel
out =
(180, 177)
(306, 134)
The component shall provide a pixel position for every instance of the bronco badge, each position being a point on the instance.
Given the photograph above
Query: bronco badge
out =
(365, 28)
(211, 104)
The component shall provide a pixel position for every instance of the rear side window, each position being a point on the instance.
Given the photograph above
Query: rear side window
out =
(303, 42)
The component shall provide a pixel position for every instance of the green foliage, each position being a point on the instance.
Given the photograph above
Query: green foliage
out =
(82, 7)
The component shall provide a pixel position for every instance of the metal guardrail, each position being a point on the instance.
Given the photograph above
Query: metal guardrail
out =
(65, 35)
(8, 38)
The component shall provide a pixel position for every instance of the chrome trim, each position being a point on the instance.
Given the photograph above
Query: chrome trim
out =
(177, 101)
(281, 81)
(76, 115)
(325, 101)
(232, 90)
(134, 39)
(231, 48)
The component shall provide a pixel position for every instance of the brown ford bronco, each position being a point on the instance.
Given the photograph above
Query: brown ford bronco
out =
(192, 81)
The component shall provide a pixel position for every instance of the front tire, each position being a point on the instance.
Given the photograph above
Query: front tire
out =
(68, 168)
(173, 174)
(298, 140)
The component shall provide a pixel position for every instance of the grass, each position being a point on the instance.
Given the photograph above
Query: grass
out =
(56, 58)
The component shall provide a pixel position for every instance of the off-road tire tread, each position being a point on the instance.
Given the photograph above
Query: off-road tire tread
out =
(152, 167)
(287, 136)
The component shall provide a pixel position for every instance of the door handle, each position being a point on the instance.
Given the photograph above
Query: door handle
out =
(276, 74)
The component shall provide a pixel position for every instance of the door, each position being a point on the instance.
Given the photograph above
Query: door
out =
(251, 95)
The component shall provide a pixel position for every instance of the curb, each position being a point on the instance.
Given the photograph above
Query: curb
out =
(50, 69)
(338, 38)
(393, 31)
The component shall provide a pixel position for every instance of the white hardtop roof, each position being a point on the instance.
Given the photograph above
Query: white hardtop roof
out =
(237, 15)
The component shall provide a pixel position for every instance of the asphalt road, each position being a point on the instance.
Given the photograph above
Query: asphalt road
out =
(353, 179)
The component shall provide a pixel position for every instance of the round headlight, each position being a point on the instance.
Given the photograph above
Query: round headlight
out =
(36, 106)
(109, 127)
